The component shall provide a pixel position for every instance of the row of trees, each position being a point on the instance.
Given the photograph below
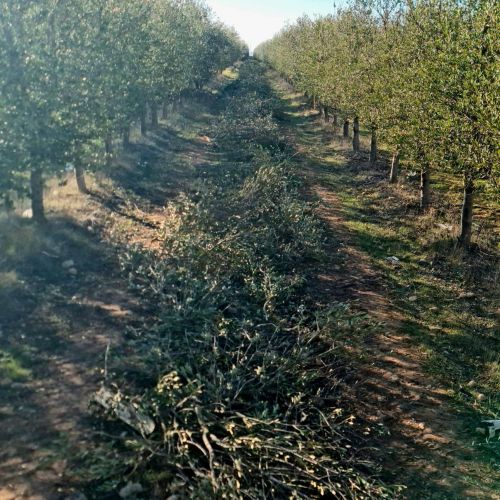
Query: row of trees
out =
(75, 74)
(422, 75)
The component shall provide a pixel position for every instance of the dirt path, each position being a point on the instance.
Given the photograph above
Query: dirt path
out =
(424, 445)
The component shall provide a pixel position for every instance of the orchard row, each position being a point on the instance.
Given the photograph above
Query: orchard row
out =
(421, 75)
(75, 74)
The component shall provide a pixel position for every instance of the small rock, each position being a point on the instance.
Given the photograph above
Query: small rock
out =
(467, 295)
(27, 214)
(493, 427)
(68, 263)
(413, 298)
(73, 271)
(472, 383)
(205, 139)
(480, 397)
(130, 490)
(393, 260)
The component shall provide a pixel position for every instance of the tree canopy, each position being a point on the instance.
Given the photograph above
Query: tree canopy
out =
(422, 75)
(73, 74)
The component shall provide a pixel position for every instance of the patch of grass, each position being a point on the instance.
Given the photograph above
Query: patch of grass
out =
(11, 368)
(379, 242)
(459, 335)
(231, 73)
(18, 240)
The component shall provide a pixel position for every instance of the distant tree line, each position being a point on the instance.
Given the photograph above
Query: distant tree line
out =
(75, 74)
(422, 76)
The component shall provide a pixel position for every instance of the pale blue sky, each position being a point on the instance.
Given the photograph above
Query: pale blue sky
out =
(258, 20)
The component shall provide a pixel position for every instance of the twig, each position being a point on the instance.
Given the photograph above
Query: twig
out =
(106, 355)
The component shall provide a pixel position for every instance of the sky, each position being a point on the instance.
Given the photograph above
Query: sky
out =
(258, 20)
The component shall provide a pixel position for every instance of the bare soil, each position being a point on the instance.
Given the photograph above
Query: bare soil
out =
(59, 328)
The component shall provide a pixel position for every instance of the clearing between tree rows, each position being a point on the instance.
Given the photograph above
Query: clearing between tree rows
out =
(396, 343)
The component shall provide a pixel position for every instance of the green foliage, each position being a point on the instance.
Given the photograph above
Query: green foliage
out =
(74, 73)
(244, 405)
(10, 367)
(239, 374)
(424, 74)
(248, 117)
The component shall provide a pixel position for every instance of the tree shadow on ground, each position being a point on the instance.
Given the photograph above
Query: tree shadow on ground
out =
(65, 302)
(158, 167)
(56, 322)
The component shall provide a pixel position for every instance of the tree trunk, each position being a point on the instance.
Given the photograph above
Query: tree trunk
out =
(36, 184)
(335, 121)
(80, 179)
(425, 188)
(346, 128)
(144, 127)
(314, 102)
(126, 137)
(177, 103)
(467, 212)
(373, 147)
(326, 114)
(394, 168)
(355, 138)
(108, 146)
(165, 110)
(8, 204)
(154, 116)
